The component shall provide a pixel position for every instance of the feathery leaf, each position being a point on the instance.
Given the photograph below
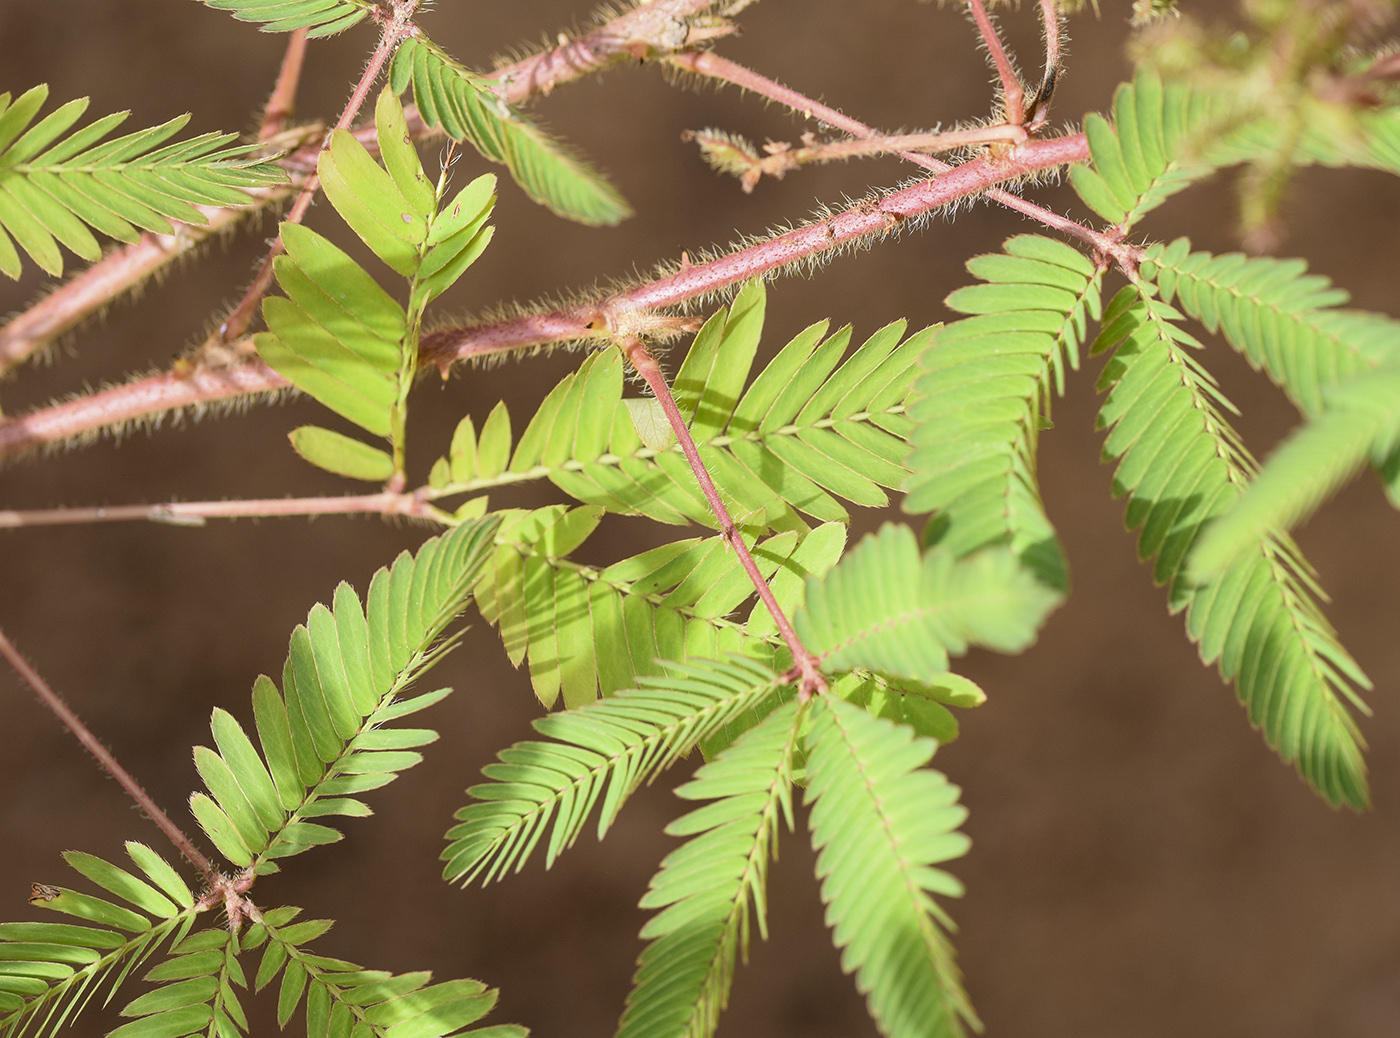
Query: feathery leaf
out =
(53, 187)
(585, 631)
(605, 749)
(884, 609)
(1181, 465)
(984, 394)
(706, 889)
(881, 821)
(318, 17)
(463, 104)
(322, 738)
(1151, 150)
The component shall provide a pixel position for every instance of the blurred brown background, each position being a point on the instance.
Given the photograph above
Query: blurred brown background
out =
(1142, 863)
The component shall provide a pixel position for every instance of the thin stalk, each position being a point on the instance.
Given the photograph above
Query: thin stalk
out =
(631, 311)
(397, 27)
(282, 103)
(649, 28)
(805, 672)
(1012, 92)
(195, 513)
(60, 709)
(707, 63)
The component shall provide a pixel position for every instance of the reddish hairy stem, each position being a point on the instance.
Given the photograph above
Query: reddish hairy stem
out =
(282, 103)
(627, 312)
(194, 513)
(398, 26)
(804, 662)
(607, 45)
(60, 709)
(1012, 92)
(707, 63)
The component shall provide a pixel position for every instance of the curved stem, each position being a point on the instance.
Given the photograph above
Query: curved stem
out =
(60, 709)
(632, 311)
(809, 678)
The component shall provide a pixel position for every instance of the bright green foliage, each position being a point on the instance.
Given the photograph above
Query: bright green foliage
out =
(1360, 421)
(584, 630)
(883, 609)
(1280, 317)
(341, 454)
(49, 971)
(318, 17)
(323, 739)
(343, 999)
(804, 435)
(462, 103)
(54, 187)
(336, 334)
(1182, 465)
(605, 749)
(985, 393)
(707, 888)
(881, 821)
(1151, 150)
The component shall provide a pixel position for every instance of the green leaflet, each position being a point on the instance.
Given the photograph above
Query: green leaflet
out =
(322, 740)
(342, 999)
(984, 394)
(808, 431)
(52, 969)
(337, 335)
(603, 750)
(1181, 465)
(462, 103)
(1361, 421)
(884, 609)
(1284, 320)
(1150, 151)
(318, 17)
(334, 452)
(706, 888)
(53, 187)
(585, 631)
(881, 821)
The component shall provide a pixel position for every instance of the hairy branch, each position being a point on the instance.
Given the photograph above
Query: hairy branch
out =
(630, 312)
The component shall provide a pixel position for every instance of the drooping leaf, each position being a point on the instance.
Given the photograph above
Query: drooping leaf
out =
(984, 395)
(1181, 465)
(707, 888)
(338, 453)
(882, 821)
(462, 103)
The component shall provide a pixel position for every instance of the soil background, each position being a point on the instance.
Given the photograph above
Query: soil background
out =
(1142, 864)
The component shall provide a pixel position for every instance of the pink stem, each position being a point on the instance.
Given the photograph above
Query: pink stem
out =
(804, 662)
(51, 699)
(1013, 94)
(193, 513)
(707, 63)
(630, 311)
(627, 312)
(282, 103)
